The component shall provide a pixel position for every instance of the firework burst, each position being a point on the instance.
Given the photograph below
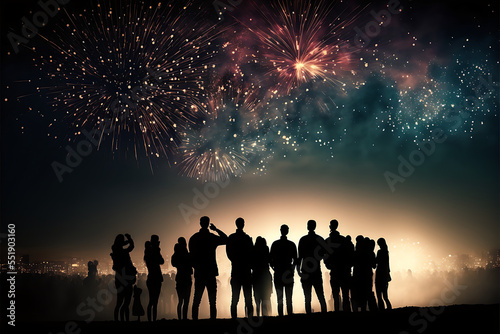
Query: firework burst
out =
(131, 71)
(300, 44)
(227, 141)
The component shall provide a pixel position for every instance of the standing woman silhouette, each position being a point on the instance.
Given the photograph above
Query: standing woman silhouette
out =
(153, 259)
(382, 275)
(262, 279)
(181, 260)
(125, 273)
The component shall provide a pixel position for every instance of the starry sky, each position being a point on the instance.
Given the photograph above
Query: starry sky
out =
(278, 112)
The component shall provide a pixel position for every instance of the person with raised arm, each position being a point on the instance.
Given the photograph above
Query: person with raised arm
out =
(202, 246)
(125, 275)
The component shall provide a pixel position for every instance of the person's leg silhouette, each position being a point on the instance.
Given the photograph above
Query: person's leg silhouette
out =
(307, 287)
(279, 295)
(346, 303)
(320, 293)
(199, 288)
(212, 296)
(288, 295)
(247, 292)
(235, 296)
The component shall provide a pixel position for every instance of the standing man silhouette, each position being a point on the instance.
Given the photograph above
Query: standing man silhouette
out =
(283, 261)
(202, 246)
(309, 265)
(339, 261)
(239, 250)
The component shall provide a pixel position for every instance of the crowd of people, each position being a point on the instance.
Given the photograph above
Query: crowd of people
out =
(351, 271)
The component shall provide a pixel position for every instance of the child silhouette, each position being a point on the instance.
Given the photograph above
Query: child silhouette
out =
(137, 309)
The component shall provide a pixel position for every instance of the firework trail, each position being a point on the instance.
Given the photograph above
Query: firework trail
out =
(132, 71)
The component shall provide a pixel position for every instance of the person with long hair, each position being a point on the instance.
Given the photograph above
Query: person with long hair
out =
(382, 275)
(261, 277)
(125, 275)
(181, 259)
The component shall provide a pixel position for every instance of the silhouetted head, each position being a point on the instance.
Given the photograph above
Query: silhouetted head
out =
(284, 230)
(260, 242)
(240, 223)
(381, 243)
(359, 239)
(96, 263)
(311, 225)
(155, 240)
(348, 238)
(371, 243)
(182, 241)
(119, 240)
(334, 224)
(147, 244)
(204, 222)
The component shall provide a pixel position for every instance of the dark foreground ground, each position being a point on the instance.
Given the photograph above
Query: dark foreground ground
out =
(449, 319)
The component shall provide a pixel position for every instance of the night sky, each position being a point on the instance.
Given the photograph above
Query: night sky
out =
(270, 141)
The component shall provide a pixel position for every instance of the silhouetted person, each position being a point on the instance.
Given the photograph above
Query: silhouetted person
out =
(382, 275)
(202, 246)
(170, 292)
(261, 277)
(125, 275)
(92, 269)
(239, 251)
(137, 309)
(372, 302)
(339, 261)
(153, 260)
(90, 283)
(181, 259)
(309, 264)
(283, 261)
(359, 300)
(364, 262)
